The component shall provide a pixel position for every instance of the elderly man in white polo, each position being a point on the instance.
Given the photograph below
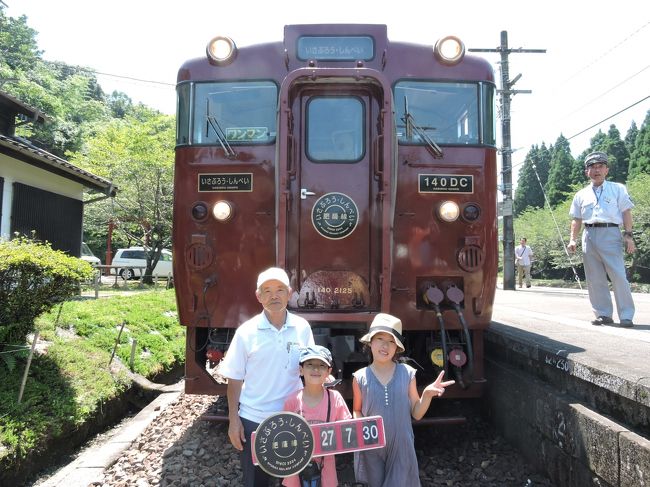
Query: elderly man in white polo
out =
(262, 366)
(604, 207)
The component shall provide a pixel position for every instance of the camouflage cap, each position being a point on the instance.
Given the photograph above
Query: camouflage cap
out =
(595, 158)
(316, 352)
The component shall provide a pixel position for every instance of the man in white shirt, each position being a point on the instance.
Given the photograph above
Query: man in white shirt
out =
(262, 366)
(523, 255)
(604, 207)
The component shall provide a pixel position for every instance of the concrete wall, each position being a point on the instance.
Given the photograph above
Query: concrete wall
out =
(560, 436)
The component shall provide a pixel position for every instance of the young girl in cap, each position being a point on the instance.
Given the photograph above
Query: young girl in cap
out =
(387, 389)
(317, 404)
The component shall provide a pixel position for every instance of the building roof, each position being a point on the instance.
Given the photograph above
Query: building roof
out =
(30, 154)
(23, 108)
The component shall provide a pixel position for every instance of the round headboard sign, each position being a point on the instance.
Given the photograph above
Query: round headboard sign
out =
(335, 215)
(283, 444)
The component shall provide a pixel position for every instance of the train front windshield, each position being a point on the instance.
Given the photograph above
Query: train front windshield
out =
(241, 112)
(449, 113)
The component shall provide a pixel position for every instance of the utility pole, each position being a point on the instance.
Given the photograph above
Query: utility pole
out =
(506, 92)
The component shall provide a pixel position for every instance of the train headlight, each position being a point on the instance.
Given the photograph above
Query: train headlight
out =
(449, 50)
(448, 211)
(221, 50)
(222, 211)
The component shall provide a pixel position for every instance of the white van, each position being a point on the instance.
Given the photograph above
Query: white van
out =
(88, 256)
(136, 256)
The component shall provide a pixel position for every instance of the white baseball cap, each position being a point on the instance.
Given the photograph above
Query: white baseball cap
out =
(273, 274)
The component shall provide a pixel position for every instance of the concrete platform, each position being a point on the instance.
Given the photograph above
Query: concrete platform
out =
(574, 397)
(556, 323)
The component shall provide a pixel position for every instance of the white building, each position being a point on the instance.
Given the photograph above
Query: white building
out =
(41, 193)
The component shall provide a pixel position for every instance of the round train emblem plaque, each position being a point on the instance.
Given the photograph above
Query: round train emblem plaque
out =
(335, 215)
(284, 444)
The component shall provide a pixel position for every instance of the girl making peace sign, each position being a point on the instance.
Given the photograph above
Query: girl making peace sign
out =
(388, 389)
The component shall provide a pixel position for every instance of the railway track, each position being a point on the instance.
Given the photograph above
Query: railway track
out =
(180, 449)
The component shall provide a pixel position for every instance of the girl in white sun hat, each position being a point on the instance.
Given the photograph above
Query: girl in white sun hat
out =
(387, 388)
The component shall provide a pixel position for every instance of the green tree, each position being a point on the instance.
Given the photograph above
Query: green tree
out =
(529, 193)
(640, 156)
(70, 97)
(630, 137)
(18, 47)
(559, 177)
(137, 154)
(639, 189)
(120, 104)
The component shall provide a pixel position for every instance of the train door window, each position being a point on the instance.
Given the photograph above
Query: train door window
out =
(447, 112)
(241, 113)
(335, 128)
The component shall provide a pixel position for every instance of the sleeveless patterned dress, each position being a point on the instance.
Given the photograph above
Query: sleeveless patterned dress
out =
(396, 463)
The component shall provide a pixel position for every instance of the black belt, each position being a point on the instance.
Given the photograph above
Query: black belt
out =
(600, 225)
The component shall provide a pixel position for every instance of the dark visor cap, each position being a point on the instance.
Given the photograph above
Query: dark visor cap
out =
(595, 158)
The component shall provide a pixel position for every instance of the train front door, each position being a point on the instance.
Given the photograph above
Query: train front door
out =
(334, 241)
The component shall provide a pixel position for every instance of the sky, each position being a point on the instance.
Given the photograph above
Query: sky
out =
(595, 72)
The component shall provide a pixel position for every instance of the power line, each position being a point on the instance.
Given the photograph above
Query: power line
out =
(584, 68)
(135, 79)
(606, 92)
(611, 116)
(95, 72)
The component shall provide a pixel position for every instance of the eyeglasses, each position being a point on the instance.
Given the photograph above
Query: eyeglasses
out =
(318, 367)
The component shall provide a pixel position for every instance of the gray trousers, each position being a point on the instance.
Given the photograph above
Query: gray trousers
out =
(602, 249)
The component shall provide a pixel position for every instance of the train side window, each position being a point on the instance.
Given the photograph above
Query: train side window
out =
(241, 113)
(335, 128)
(183, 102)
(447, 112)
(488, 126)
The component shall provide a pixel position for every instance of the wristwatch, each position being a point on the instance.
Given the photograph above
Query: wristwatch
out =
(628, 234)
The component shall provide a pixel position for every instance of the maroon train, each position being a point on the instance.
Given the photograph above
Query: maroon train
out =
(364, 167)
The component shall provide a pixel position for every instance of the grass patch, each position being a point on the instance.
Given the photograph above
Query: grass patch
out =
(69, 382)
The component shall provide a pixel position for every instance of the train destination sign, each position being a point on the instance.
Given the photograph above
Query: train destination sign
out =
(235, 182)
(336, 48)
(282, 446)
(445, 183)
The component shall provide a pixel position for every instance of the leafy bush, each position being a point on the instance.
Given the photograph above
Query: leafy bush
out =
(33, 278)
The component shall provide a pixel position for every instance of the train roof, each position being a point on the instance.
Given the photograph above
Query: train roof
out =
(336, 45)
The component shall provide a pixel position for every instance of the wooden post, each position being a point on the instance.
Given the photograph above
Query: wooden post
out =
(98, 278)
(134, 343)
(116, 342)
(29, 363)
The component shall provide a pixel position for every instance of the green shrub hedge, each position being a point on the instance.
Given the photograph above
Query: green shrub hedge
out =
(33, 279)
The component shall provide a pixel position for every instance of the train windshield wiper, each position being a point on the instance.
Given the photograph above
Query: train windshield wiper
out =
(221, 136)
(412, 125)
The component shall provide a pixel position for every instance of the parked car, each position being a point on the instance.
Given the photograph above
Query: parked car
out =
(88, 256)
(136, 257)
